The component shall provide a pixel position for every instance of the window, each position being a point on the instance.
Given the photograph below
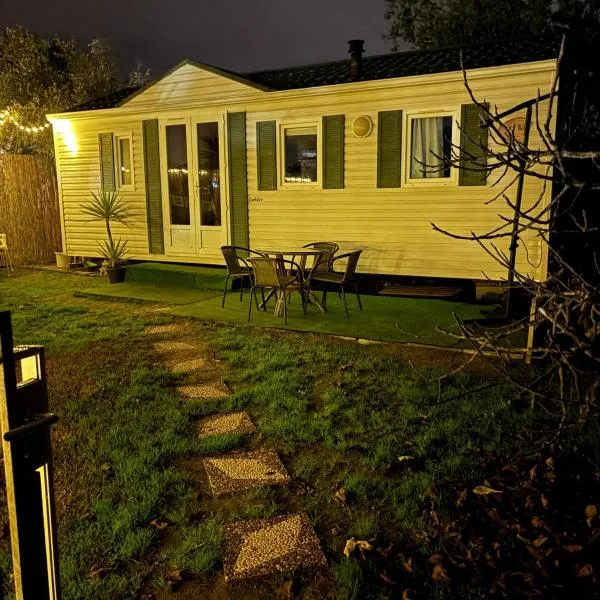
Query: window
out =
(124, 161)
(209, 175)
(300, 156)
(430, 147)
(178, 177)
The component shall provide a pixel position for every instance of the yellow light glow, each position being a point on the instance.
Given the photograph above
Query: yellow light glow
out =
(6, 116)
(65, 128)
(298, 180)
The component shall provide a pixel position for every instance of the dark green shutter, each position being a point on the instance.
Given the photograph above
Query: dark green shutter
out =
(156, 243)
(472, 138)
(107, 162)
(389, 149)
(333, 152)
(238, 186)
(266, 149)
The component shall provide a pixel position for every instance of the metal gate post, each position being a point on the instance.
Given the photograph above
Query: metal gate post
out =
(27, 450)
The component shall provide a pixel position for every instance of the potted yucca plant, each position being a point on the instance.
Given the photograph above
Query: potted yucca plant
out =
(110, 207)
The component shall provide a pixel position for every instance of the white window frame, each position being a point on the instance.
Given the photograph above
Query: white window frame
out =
(282, 127)
(130, 187)
(407, 141)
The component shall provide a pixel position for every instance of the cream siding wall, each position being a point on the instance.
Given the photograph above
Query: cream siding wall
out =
(80, 176)
(392, 225)
(190, 86)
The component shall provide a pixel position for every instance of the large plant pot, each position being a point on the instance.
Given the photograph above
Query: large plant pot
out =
(116, 274)
(63, 261)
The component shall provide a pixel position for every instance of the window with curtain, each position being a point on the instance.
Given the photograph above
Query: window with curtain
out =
(430, 147)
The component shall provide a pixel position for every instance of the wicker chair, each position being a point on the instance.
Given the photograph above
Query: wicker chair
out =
(340, 279)
(237, 267)
(269, 274)
(328, 249)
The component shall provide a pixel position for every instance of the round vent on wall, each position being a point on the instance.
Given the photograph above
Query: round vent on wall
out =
(362, 126)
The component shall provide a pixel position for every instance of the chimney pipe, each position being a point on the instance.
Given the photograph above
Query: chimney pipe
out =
(356, 50)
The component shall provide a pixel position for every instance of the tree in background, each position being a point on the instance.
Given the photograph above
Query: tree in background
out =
(44, 75)
(440, 23)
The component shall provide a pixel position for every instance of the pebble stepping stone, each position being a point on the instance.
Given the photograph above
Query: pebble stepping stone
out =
(203, 391)
(245, 470)
(183, 367)
(235, 422)
(263, 547)
(168, 347)
(163, 330)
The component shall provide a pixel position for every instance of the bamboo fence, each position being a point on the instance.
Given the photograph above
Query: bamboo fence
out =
(29, 211)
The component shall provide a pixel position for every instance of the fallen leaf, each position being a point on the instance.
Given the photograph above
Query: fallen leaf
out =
(591, 511)
(158, 524)
(440, 574)
(385, 577)
(462, 497)
(174, 578)
(407, 566)
(540, 541)
(97, 572)
(573, 548)
(345, 367)
(436, 558)
(584, 570)
(408, 594)
(405, 457)
(550, 462)
(537, 522)
(545, 501)
(341, 495)
(483, 490)
(533, 472)
(353, 543)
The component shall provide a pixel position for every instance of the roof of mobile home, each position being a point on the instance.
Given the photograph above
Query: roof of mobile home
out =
(382, 66)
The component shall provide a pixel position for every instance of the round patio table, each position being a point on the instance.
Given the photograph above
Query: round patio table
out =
(303, 253)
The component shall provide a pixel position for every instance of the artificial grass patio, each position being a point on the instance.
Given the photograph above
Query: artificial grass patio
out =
(388, 319)
(383, 319)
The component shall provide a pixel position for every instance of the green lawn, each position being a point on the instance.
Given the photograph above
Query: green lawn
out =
(342, 416)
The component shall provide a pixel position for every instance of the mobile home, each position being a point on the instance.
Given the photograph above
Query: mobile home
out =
(331, 151)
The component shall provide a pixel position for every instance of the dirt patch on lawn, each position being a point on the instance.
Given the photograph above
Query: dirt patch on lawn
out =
(74, 392)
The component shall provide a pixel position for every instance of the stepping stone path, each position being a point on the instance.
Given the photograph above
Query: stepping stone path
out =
(155, 331)
(235, 422)
(186, 367)
(168, 347)
(262, 547)
(203, 391)
(258, 547)
(244, 470)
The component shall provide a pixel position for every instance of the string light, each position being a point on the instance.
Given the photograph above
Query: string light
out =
(6, 117)
(298, 180)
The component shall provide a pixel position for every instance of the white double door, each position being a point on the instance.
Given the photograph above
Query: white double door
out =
(193, 186)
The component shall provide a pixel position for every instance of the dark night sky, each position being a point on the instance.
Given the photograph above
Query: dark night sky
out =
(240, 35)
